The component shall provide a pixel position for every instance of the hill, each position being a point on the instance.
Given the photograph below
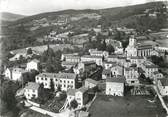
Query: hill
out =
(26, 30)
(6, 16)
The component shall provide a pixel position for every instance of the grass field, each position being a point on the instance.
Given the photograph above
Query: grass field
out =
(130, 106)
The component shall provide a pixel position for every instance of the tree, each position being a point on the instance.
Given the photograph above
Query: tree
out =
(74, 104)
(52, 85)
(110, 49)
(29, 51)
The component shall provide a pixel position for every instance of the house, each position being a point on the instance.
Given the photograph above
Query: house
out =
(85, 66)
(149, 68)
(90, 83)
(121, 60)
(68, 65)
(64, 56)
(131, 74)
(14, 73)
(97, 59)
(163, 86)
(63, 80)
(31, 90)
(117, 69)
(108, 65)
(115, 86)
(72, 58)
(138, 60)
(33, 65)
(106, 73)
(157, 75)
(80, 95)
(104, 54)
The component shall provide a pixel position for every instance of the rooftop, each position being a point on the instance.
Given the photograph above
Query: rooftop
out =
(91, 81)
(89, 56)
(117, 79)
(58, 75)
(32, 85)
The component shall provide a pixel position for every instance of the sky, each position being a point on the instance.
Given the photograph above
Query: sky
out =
(31, 7)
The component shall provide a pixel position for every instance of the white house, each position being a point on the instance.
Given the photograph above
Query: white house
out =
(106, 73)
(115, 86)
(90, 83)
(14, 73)
(31, 90)
(85, 66)
(117, 69)
(97, 59)
(138, 60)
(149, 68)
(104, 54)
(80, 95)
(108, 65)
(131, 74)
(163, 86)
(33, 65)
(64, 80)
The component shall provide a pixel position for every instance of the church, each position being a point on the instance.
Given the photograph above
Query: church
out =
(134, 49)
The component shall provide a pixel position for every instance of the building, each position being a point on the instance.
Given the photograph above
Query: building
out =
(137, 60)
(115, 86)
(108, 65)
(31, 90)
(131, 75)
(117, 70)
(80, 95)
(131, 49)
(68, 65)
(14, 73)
(106, 73)
(85, 66)
(104, 54)
(134, 49)
(149, 68)
(90, 83)
(163, 86)
(64, 56)
(97, 59)
(64, 80)
(144, 50)
(74, 58)
(33, 65)
(157, 75)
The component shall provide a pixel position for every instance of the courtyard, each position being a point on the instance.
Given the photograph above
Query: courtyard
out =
(128, 106)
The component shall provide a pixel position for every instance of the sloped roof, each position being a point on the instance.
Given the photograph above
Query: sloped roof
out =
(32, 85)
(92, 81)
(117, 79)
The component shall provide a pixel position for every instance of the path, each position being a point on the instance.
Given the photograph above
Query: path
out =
(161, 99)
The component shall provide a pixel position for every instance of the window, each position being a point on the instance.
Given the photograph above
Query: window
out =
(64, 85)
(64, 81)
(55, 79)
(68, 81)
(60, 80)
(41, 78)
(33, 90)
(37, 78)
(45, 84)
(71, 81)
(45, 78)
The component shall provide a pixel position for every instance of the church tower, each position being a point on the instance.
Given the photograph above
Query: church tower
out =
(132, 41)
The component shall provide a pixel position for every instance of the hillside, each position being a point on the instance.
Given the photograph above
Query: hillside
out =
(26, 30)
(5, 16)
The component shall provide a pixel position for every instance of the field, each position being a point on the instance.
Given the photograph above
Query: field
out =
(129, 106)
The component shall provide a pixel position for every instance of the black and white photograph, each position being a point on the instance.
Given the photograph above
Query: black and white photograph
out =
(83, 58)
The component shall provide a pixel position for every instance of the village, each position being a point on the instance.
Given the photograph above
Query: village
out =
(92, 73)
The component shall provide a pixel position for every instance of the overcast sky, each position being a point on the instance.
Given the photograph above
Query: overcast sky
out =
(31, 7)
